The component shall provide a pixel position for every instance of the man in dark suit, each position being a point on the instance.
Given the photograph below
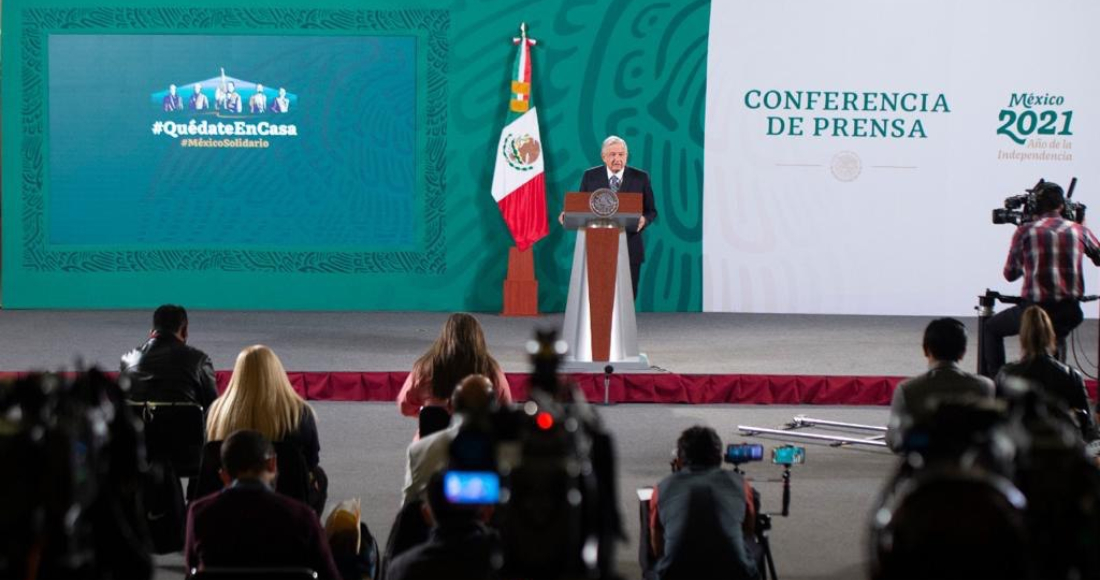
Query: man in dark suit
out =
(165, 368)
(247, 524)
(915, 400)
(615, 175)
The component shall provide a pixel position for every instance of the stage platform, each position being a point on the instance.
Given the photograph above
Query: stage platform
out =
(698, 358)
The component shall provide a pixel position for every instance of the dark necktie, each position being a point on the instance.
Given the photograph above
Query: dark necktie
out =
(615, 184)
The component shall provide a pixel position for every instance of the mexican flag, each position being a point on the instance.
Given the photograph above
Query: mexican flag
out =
(519, 185)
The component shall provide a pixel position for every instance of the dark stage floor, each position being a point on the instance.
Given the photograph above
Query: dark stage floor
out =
(685, 343)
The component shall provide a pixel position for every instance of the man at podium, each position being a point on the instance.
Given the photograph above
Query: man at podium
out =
(616, 175)
(616, 204)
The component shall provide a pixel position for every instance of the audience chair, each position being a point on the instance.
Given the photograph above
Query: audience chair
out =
(252, 574)
(408, 531)
(208, 480)
(432, 419)
(293, 478)
(174, 432)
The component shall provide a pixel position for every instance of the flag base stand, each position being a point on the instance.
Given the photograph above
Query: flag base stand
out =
(521, 289)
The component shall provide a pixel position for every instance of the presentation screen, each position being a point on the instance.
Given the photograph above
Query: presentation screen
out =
(855, 150)
(219, 141)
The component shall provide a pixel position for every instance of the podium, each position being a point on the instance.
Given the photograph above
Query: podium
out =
(599, 325)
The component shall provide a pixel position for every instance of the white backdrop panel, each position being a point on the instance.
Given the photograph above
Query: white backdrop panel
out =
(838, 224)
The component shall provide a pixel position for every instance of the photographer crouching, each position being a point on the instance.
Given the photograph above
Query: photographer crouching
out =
(1047, 252)
(701, 517)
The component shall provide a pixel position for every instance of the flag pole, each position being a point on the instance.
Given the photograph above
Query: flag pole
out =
(521, 287)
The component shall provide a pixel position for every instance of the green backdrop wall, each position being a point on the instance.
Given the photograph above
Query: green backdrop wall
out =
(628, 67)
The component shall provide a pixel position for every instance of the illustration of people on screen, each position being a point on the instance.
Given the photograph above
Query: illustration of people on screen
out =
(219, 94)
(258, 102)
(172, 101)
(199, 101)
(232, 98)
(282, 103)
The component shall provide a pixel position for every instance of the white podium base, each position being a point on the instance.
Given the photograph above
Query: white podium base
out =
(576, 327)
(639, 363)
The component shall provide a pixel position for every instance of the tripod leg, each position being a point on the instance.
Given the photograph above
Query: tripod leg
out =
(769, 562)
(982, 317)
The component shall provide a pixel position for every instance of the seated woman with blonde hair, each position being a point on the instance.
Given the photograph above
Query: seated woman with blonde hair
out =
(459, 351)
(1042, 371)
(260, 398)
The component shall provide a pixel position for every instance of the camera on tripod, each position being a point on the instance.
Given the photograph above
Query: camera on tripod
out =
(1021, 209)
(548, 469)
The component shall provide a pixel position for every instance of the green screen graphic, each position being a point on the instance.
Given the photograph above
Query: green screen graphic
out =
(635, 69)
(213, 160)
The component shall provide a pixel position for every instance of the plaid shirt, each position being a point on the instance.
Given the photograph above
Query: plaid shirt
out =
(1048, 253)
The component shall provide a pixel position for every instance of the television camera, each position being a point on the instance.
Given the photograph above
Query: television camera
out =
(72, 484)
(548, 468)
(1021, 209)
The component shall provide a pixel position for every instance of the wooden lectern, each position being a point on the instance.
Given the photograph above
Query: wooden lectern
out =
(599, 324)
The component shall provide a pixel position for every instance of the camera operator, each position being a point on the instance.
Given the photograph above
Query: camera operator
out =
(461, 544)
(701, 515)
(471, 400)
(1047, 253)
(1038, 366)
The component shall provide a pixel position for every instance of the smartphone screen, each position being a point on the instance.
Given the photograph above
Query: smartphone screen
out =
(472, 487)
(788, 455)
(744, 452)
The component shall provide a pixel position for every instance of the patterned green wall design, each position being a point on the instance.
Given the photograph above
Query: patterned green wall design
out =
(629, 67)
(635, 69)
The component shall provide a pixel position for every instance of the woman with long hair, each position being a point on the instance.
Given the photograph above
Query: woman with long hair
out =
(1042, 371)
(459, 351)
(260, 398)
(1036, 334)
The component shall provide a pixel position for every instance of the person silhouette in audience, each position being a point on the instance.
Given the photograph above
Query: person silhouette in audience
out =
(472, 399)
(460, 544)
(702, 517)
(260, 397)
(916, 398)
(249, 525)
(165, 368)
(459, 351)
(1040, 370)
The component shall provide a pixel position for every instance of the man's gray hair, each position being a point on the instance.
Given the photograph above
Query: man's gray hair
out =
(613, 140)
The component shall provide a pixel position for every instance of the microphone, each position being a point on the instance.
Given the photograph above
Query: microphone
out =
(607, 370)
